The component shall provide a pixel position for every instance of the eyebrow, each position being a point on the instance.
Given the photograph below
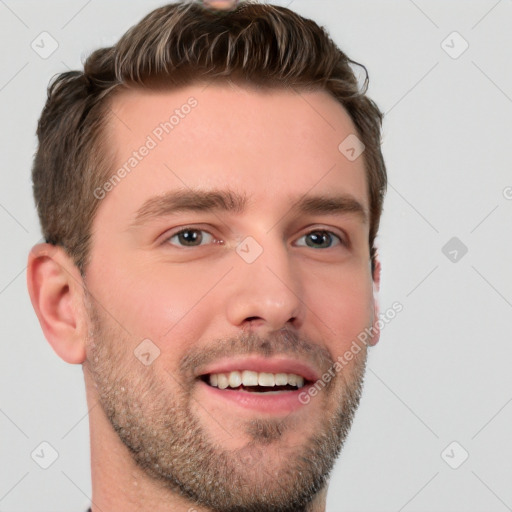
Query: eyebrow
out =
(233, 202)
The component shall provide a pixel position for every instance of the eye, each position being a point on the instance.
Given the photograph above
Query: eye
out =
(194, 237)
(191, 237)
(321, 239)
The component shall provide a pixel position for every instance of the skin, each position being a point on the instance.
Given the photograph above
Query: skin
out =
(205, 301)
(221, 4)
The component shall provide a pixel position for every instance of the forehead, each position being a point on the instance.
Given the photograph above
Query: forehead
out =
(269, 144)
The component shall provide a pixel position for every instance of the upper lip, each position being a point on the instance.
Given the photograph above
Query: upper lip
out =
(262, 364)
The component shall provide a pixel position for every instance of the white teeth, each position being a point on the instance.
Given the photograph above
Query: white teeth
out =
(292, 379)
(235, 379)
(281, 379)
(222, 381)
(249, 378)
(299, 380)
(266, 379)
(295, 380)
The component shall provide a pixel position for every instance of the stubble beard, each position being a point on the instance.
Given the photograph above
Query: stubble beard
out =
(170, 444)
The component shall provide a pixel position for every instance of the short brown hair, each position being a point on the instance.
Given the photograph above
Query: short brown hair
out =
(178, 44)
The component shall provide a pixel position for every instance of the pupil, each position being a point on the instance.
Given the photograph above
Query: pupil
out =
(318, 236)
(187, 238)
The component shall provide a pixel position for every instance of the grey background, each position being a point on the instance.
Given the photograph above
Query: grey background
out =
(441, 372)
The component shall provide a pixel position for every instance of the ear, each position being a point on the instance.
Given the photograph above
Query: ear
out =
(376, 308)
(56, 292)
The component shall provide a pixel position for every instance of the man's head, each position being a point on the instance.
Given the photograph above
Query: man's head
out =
(211, 222)
(262, 45)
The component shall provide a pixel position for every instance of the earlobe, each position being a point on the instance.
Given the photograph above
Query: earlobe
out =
(376, 286)
(56, 291)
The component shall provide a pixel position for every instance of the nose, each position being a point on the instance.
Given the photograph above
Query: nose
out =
(265, 294)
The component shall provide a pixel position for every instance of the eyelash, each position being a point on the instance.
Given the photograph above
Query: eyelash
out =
(317, 230)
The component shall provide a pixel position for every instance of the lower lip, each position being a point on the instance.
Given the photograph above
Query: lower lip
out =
(280, 403)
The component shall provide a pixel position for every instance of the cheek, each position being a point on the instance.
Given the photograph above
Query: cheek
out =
(342, 303)
(155, 301)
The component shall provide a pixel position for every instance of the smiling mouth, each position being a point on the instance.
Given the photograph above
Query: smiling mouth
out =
(255, 382)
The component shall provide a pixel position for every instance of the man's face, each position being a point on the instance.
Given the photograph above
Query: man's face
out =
(280, 286)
